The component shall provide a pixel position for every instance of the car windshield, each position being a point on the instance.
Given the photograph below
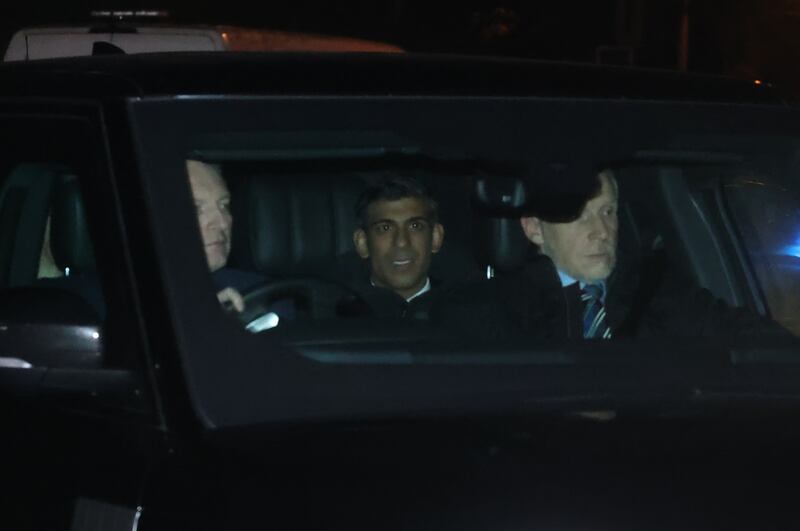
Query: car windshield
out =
(514, 232)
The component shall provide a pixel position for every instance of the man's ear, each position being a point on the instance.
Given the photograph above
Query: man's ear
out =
(360, 243)
(532, 227)
(438, 237)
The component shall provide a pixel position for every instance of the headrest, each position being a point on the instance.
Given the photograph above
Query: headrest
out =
(69, 231)
(292, 226)
(502, 244)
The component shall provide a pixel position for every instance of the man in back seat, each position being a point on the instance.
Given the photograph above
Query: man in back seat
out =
(398, 232)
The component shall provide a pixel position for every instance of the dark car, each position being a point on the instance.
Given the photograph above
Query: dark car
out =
(133, 400)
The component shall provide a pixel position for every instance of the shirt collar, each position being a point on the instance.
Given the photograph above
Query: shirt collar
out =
(567, 280)
(426, 288)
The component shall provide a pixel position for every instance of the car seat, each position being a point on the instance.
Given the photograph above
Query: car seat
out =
(303, 226)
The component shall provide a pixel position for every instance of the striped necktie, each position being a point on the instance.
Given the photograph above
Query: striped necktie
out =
(594, 313)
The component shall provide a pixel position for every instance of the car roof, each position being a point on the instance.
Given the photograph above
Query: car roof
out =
(221, 73)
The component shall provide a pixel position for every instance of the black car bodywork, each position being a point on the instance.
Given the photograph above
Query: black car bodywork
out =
(330, 427)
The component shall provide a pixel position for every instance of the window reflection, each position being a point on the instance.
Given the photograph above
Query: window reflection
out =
(769, 222)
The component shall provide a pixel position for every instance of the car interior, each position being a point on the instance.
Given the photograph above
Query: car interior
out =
(290, 221)
(293, 221)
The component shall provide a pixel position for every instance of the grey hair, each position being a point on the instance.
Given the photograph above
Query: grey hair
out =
(609, 174)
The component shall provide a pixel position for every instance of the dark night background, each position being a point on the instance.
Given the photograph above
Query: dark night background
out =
(742, 38)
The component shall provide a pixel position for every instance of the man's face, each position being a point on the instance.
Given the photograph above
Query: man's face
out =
(585, 249)
(399, 240)
(213, 202)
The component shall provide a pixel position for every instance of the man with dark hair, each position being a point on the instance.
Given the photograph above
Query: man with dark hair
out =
(398, 233)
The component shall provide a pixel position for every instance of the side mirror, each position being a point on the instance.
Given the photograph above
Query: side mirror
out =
(48, 327)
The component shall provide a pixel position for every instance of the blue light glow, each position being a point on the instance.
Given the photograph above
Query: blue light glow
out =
(791, 250)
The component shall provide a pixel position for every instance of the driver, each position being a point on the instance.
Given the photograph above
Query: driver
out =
(213, 202)
(398, 233)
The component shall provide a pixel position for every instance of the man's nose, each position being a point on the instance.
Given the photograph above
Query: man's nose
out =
(221, 219)
(401, 238)
(600, 228)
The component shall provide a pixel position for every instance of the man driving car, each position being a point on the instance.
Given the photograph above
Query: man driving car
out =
(212, 200)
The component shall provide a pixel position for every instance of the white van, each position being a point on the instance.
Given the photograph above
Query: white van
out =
(131, 32)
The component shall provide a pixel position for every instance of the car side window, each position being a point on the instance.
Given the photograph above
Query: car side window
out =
(44, 221)
(768, 219)
(53, 304)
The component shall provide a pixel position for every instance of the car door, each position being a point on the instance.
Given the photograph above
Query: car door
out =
(76, 409)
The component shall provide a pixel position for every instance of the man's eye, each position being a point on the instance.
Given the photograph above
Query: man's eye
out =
(417, 225)
(225, 207)
(383, 227)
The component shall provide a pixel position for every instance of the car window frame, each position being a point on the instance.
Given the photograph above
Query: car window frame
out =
(201, 332)
(88, 143)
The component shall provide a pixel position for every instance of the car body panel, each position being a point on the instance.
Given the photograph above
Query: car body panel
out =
(372, 74)
(219, 429)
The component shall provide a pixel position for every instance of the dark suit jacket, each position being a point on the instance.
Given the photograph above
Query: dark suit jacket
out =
(650, 300)
(241, 280)
(386, 304)
(642, 301)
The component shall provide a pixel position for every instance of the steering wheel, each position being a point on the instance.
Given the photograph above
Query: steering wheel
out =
(309, 297)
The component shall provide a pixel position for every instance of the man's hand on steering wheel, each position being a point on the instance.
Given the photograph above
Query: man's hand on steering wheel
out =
(231, 299)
